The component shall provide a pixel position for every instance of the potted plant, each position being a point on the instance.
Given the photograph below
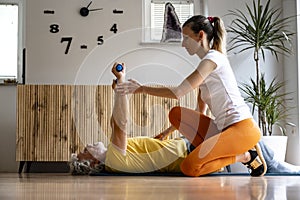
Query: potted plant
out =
(272, 103)
(270, 100)
(262, 28)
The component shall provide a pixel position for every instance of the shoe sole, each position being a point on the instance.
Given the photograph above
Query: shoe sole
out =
(261, 157)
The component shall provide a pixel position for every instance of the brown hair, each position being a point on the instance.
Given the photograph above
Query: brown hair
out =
(213, 27)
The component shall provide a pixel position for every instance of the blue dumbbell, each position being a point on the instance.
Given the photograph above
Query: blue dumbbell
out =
(119, 67)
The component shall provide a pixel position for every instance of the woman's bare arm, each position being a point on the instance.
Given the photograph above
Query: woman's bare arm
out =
(191, 82)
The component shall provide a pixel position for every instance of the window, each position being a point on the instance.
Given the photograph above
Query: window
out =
(10, 40)
(154, 15)
(184, 10)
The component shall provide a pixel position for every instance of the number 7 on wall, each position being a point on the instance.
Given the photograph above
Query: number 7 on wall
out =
(69, 40)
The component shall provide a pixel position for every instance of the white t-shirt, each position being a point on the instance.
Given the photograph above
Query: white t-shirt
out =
(221, 93)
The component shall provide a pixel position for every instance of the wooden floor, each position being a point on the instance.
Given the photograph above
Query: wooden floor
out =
(64, 186)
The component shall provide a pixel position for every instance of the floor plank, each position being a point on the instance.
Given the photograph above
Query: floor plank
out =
(64, 186)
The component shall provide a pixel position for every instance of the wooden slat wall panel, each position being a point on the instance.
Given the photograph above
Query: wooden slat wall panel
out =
(54, 121)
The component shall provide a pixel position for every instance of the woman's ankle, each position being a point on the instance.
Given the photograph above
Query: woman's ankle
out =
(243, 158)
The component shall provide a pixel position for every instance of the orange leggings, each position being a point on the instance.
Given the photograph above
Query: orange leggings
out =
(214, 149)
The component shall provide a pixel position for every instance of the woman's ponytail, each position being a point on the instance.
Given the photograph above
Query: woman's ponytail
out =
(219, 35)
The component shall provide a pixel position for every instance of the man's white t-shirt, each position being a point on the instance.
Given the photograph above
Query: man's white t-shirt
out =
(221, 93)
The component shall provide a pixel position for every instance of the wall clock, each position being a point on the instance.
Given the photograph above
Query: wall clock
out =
(84, 11)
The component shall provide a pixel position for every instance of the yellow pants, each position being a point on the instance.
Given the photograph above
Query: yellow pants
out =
(214, 148)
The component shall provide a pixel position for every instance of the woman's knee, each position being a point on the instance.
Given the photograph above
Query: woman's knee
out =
(188, 169)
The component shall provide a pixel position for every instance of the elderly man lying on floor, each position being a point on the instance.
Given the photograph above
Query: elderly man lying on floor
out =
(132, 155)
(144, 154)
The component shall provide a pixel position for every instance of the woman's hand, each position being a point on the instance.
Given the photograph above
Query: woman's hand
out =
(129, 87)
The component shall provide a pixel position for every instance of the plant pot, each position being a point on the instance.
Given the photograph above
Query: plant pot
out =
(278, 144)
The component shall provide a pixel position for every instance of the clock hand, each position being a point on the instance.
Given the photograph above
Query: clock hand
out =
(89, 4)
(84, 11)
(96, 9)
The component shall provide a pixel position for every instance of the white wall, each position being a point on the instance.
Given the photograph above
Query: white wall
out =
(291, 74)
(48, 64)
(148, 63)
